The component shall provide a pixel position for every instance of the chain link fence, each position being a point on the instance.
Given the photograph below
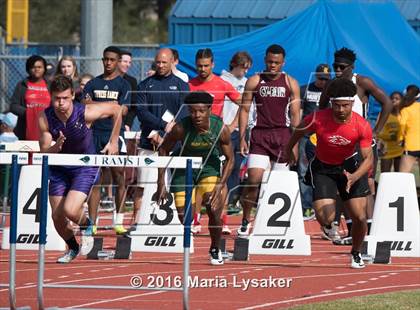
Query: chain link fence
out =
(13, 58)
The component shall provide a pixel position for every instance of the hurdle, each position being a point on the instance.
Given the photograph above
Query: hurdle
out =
(15, 159)
(88, 160)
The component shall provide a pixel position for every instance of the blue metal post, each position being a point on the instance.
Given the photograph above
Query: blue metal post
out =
(188, 207)
(187, 232)
(44, 202)
(42, 230)
(13, 232)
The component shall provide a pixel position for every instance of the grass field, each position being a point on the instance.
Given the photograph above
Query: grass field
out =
(393, 301)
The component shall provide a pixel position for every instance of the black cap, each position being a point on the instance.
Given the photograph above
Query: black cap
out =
(199, 97)
(323, 71)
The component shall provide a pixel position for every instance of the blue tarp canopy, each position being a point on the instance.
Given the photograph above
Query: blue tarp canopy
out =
(387, 47)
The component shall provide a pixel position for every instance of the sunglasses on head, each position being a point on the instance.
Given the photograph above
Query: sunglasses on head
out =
(340, 66)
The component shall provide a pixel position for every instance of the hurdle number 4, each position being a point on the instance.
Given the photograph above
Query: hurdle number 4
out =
(26, 208)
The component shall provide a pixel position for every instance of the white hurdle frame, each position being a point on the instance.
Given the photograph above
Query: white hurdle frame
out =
(92, 160)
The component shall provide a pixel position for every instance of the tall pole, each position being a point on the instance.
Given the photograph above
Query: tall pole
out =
(96, 21)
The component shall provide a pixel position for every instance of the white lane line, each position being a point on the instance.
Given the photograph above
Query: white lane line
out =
(373, 279)
(115, 299)
(326, 291)
(340, 287)
(330, 294)
(78, 273)
(361, 282)
(63, 277)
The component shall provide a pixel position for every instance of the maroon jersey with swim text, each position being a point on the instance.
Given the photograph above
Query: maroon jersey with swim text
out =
(272, 102)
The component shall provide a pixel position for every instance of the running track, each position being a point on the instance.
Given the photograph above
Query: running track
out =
(325, 275)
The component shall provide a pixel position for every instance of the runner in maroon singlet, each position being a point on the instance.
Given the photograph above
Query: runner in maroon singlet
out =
(277, 98)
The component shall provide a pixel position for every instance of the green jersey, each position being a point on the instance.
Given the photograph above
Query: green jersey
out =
(204, 145)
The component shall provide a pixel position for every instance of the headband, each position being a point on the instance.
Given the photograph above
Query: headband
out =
(343, 98)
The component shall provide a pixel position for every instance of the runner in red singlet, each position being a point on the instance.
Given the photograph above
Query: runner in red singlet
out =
(335, 167)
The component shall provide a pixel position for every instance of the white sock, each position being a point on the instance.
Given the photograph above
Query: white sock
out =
(119, 219)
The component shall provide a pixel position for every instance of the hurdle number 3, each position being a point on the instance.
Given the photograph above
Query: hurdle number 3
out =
(166, 206)
(273, 220)
(26, 208)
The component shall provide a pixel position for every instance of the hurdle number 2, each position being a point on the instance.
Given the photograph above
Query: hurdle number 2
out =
(399, 204)
(273, 220)
(26, 208)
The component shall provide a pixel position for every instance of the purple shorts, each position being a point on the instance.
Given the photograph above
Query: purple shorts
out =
(270, 142)
(64, 179)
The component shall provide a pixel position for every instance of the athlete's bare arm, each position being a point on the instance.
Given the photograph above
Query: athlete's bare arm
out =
(371, 88)
(247, 97)
(89, 101)
(298, 133)
(171, 138)
(324, 99)
(46, 139)
(225, 144)
(294, 102)
(366, 164)
(97, 111)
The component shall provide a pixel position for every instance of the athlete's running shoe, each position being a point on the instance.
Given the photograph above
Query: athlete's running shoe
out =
(330, 233)
(120, 230)
(196, 228)
(87, 244)
(216, 256)
(226, 230)
(344, 241)
(243, 230)
(357, 261)
(68, 257)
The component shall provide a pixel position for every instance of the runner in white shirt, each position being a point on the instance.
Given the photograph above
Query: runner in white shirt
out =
(238, 68)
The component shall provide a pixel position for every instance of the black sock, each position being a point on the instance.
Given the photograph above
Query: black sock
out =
(72, 244)
(368, 227)
(245, 222)
(349, 225)
(328, 226)
(86, 223)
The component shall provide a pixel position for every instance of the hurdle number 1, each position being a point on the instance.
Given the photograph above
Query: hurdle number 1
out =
(26, 208)
(399, 204)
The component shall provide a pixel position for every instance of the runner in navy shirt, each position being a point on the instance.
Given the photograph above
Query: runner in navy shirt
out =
(108, 87)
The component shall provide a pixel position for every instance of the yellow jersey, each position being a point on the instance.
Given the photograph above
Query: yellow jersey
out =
(390, 137)
(410, 127)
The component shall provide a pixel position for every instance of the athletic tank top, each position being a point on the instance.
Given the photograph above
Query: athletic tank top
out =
(272, 102)
(204, 145)
(359, 107)
(79, 139)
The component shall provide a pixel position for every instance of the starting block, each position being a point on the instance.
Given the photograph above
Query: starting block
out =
(396, 216)
(122, 248)
(382, 252)
(240, 249)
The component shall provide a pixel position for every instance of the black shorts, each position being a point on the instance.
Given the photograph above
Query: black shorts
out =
(413, 153)
(101, 140)
(327, 179)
